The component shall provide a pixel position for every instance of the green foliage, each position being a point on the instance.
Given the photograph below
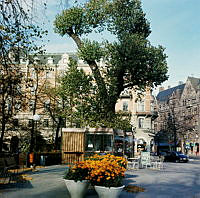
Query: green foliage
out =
(81, 20)
(127, 17)
(18, 37)
(91, 51)
(76, 174)
(76, 92)
(130, 61)
(71, 20)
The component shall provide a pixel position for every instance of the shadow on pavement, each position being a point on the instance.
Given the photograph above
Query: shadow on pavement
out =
(16, 184)
(49, 170)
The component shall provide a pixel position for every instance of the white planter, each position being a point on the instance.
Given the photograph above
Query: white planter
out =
(106, 192)
(77, 189)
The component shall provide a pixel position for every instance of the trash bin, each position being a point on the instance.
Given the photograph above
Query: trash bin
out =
(42, 160)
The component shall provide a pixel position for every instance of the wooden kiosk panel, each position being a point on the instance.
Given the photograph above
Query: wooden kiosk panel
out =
(76, 140)
(72, 145)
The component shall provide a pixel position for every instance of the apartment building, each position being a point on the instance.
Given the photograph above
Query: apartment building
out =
(43, 72)
(143, 113)
(181, 106)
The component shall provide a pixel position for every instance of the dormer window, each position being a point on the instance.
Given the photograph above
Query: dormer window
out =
(50, 61)
(64, 60)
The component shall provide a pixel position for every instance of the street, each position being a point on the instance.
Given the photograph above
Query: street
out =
(174, 181)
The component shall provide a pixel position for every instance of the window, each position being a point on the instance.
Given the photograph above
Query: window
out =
(46, 105)
(141, 123)
(99, 142)
(140, 106)
(18, 106)
(50, 60)
(9, 106)
(19, 90)
(125, 106)
(30, 122)
(33, 89)
(31, 105)
(46, 123)
(48, 74)
(64, 60)
(33, 73)
(15, 122)
(152, 106)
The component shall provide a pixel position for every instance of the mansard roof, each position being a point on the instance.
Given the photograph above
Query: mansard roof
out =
(195, 82)
(165, 94)
(43, 58)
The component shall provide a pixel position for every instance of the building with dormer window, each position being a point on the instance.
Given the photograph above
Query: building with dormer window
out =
(182, 104)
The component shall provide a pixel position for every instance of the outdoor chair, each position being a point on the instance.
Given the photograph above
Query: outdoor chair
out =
(3, 171)
(12, 167)
(145, 162)
(156, 162)
(133, 163)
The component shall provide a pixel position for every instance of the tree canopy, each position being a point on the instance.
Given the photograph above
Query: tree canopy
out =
(130, 60)
(18, 35)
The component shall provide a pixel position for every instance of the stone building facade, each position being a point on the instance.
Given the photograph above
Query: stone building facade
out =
(44, 71)
(181, 105)
(143, 113)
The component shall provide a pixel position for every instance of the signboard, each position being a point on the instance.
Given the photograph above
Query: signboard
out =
(145, 158)
(145, 155)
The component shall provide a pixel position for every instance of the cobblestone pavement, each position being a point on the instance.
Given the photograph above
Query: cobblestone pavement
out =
(176, 180)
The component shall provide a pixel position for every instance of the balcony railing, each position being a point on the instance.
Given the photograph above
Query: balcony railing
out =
(147, 113)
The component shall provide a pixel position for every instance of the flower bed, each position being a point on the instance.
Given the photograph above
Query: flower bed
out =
(107, 170)
(101, 170)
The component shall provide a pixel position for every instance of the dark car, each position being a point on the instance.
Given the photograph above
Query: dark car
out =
(176, 157)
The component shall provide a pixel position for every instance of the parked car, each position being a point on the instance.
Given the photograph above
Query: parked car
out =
(176, 157)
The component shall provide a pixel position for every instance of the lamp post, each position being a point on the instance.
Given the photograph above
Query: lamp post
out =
(36, 117)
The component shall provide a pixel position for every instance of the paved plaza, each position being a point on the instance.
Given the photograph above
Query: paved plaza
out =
(176, 180)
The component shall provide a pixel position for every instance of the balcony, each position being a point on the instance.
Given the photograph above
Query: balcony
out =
(153, 114)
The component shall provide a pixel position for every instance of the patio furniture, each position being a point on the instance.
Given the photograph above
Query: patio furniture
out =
(156, 162)
(145, 161)
(133, 163)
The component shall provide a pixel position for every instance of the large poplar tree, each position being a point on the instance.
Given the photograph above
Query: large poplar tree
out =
(131, 60)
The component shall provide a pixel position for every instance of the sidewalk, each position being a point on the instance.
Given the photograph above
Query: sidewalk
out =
(176, 180)
(196, 157)
(45, 183)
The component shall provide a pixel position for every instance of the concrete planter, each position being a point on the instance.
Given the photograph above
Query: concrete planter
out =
(77, 189)
(106, 192)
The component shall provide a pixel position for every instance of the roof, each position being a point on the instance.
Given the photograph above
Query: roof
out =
(43, 58)
(165, 94)
(195, 82)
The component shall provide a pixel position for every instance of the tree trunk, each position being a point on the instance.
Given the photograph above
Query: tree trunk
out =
(95, 70)
(3, 123)
(32, 142)
(32, 136)
(56, 145)
(2, 134)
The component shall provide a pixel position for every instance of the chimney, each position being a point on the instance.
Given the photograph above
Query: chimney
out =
(180, 82)
(161, 89)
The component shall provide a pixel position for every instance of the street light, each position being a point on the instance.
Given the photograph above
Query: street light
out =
(36, 118)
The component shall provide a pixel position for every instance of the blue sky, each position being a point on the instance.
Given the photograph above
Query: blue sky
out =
(175, 24)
